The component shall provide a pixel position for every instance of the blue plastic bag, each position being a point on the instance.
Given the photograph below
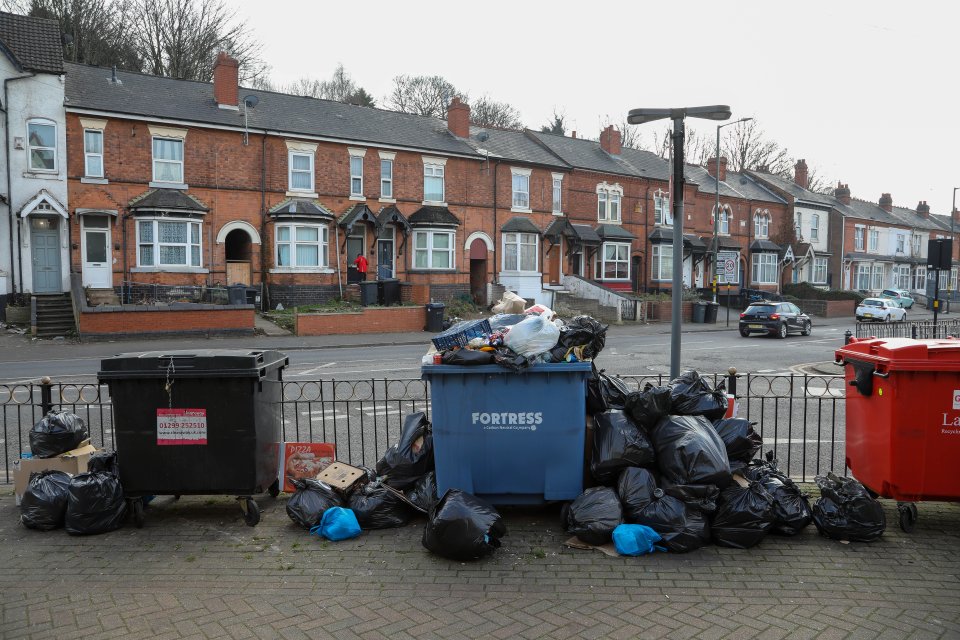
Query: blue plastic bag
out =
(636, 540)
(337, 523)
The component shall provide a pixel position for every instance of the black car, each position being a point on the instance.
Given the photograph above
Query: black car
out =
(774, 318)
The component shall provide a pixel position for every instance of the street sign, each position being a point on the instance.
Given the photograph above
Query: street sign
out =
(727, 262)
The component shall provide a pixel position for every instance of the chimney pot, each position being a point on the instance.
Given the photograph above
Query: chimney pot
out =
(226, 80)
(923, 209)
(800, 174)
(886, 202)
(573, 134)
(842, 193)
(458, 118)
(610, 140)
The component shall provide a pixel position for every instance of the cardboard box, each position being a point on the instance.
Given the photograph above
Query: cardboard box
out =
(72, 462)
(340, 476)
(304, 460)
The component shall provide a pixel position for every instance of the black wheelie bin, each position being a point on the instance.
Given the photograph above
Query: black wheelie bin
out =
(204, 422)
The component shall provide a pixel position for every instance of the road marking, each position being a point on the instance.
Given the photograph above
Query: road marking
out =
(313, 370)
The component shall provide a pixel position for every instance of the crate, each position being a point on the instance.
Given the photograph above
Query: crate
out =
(461, 333)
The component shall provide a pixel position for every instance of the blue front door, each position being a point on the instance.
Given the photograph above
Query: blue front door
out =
(45, 250)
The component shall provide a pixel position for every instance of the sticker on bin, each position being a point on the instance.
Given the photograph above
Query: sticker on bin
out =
(181, 426)
(956, 399)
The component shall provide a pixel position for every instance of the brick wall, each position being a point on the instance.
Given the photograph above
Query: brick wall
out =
(663, 311)
(297, 295)
(149, 321)
(828, 308)
(370, 320)
(448, 292)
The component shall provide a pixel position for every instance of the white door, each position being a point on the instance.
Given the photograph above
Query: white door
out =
(95, 248)
(688, 272)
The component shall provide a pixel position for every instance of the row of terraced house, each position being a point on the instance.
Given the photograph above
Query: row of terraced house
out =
(128, 180)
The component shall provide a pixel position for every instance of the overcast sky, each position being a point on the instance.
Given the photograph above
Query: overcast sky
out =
(866, 92)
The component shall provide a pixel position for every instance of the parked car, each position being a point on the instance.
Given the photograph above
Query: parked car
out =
(880, 310)
(902, 296)
(774, 318)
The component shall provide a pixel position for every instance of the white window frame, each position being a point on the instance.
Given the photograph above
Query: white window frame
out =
(862, 277)
(953, 278)
(603, 260)
(858, 237)
(87, 155)
(290, 171)
(435, 168)
(901, 244)
(920, 279)
(557, 193)
(601, 205)
(156, 244)
(820, 271)
(386, 184)
(903, 277)
(42, 122)
(322, 243)
(661, 208)
(876, 281)
(513, 242)
(156, 160)
(814, 227)
(761, 225)
(520, 198)
(661, 262)
(609, 202)
(915, 245)
(763, 265)
(873, 240)
(356, 178)
(430, 249)
(798, 226)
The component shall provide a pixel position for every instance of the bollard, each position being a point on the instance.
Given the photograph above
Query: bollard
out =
(46, 395)
(846, 337)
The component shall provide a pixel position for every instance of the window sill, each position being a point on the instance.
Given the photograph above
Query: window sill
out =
(325, 270)
(94, 181)
(42, 175)
(558, 213)
(521, 274)
(302, 194)
(389, 200)
(168, 185)
(358, 198)
(169, 269)
(520, 210)
(433, 203)
(431, 270)
(616, 222)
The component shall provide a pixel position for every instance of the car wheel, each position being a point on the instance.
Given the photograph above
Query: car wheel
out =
(745, 332)
(782, 331)
(807, 328)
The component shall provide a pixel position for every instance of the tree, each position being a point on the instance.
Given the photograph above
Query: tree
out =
(696, 147)
(361, 97)
(746, 146)
(422, 95)
(557, 126)
(340, 87)
(485, 112)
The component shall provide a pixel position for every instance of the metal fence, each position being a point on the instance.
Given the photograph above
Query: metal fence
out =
(915, 330)
(800, 417)
(144, 293)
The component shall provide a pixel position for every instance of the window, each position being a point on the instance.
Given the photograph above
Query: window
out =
(557, 192)
(920, 279)
(761, 225)
(601, 205)
(608, 202)
(877, 276)
(662, 262)
(386, 178)
(953, 279)
(433, 249)
(862, 282)
(724, 222)
(42, 146)
(168, 160)
(900, 242)
(874, 239)
(661, 209)
(902, 277)
(798, 226)
(168, 243)
(814, 228)
(356, 176)
(521, 189)
(93, 153)
(301, 171)
(915, 241)
(302, 246)
(858, 238)
(433, 182)
(520, 251)
(820, 271)
(616, 261)
(943, 280)
(765, 268)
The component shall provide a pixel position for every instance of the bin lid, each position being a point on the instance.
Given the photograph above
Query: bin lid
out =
(198, 363)
(428, 370)
(903, 354)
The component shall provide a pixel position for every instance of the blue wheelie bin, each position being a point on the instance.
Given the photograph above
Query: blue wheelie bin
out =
(506, 437)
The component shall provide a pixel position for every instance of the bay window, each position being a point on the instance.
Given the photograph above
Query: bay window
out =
(433, 249)
(863, 277)
(820, 271)
(616, 261)
(662, 262)
(765, 268)
(877, 276)
(168, 243)
(920, 279)
(902, 277)
(168, 160)
(520, 251)
(302, 246)
(42, 145)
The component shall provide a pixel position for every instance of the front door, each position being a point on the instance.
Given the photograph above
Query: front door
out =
(95, 239)
(45, 249)
(354, 248)
(553, 264)
(385, 255)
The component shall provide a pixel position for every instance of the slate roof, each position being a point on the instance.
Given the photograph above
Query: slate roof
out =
(512, 145)
(764, 245)
(428, 215)
(665, 234)
(867, 211)
(795, 190)
(392, 214)
(912, 219)
(586, 234)
(727, 242)
(167, 200)
(300, 207)
(520, 224)
(33, 43)
(706, 183)
(613, 232)
(587, 154)
(560, 226)
(359, 212)
(155, 97)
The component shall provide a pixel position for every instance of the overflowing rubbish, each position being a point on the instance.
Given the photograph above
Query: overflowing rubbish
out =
(509, 303)
(791, 506)
(605, 392)
(846, 511)
(96, 502)
(648, 406)
(740, 438)
(691, 395)
(57, 433)
(636, 540)
(689, 451)
(532, 336)
(463, 527)
(379, 506)
(744, 516)
(44, 503)
(310, 502)
(594, 515)
(584, 332)
(617, 444)
(682, 526)
(337, 524)
(423, 493)
(635, 488)
(412, 457)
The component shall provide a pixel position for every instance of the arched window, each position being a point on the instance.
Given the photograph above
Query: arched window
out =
(723, 225)
(761, 224)
(661, 208)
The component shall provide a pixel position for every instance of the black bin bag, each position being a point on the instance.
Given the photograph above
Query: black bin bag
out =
(423, 493)
(635, 487)
(593, 515)
(701, 496)
(463, 527)
(682, 526)
(647, 407)
(96, 504)
(605, 392)
(57, 433)
(43, 505)
(617, 444)
(845, 511)
(412, 457)
(378, 506)
(791, 506)
(691, 395)
(744, 516)
(740, 438)
(467, 357)
(689, 451)
(586, 332)
(311, 498)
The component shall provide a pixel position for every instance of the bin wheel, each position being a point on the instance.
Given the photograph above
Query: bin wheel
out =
(274, 489)
(908, 516)
(136, 508)
(251, 511)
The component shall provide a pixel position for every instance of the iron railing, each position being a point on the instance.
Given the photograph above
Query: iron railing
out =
(915, 330)
(800, 417)
(144, 293)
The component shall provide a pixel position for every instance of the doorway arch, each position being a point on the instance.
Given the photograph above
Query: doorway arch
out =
(478, 271)
(238, 254)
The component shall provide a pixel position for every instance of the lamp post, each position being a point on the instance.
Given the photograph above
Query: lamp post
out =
(716, 213)
(641, 116)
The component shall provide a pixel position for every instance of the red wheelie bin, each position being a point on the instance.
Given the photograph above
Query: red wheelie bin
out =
(903, 419)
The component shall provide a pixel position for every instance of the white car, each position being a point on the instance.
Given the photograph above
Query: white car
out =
(880, 310)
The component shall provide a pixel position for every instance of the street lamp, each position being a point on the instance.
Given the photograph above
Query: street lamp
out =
(716, 214)
(641, 116)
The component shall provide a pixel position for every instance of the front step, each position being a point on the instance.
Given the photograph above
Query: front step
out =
(54, 316)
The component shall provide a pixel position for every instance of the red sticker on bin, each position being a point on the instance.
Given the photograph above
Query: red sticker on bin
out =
(181, 426)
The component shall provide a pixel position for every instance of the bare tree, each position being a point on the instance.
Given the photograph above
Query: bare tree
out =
(697, 149)
(817, 183)
(746, 146)
(485, 112)
(340, 87)
(360, 97)
(557, 125)
(422, 95)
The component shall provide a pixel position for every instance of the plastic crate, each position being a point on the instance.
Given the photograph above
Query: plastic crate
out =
(461, 333)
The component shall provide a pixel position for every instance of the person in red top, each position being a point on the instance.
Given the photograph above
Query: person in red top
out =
(361, 263)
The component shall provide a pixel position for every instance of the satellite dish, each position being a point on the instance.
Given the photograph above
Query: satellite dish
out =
(251, 101)
(482, 136)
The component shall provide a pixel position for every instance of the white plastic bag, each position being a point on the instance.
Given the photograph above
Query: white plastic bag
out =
(509, 303)
(541, 310)
(532, 336)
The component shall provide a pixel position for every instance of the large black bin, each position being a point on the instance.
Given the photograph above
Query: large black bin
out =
(388, 291)
(435, 317)
(204, 422)
(368, 292)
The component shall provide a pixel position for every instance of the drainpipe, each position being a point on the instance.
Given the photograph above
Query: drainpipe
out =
(263, 222)
(646, 235)
(123, 234)
(13, 217)
(496, 279)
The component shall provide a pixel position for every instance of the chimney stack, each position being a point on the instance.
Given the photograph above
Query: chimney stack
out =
(886, 202)
(573, 134)
(800, 176)
(610, 140)
(923, 209)
(226, 80)
(955, 214)
(458, 118)
(714, 167)
(842, 193)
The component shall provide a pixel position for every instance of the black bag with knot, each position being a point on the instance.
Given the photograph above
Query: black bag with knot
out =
(586, 332)
(791, 506)
(744, 516)
(57, 433)
(412, 457)
(96, 504)
(682, 526)
(691, 395)
(703, 497)
(43, 505)
(605, 392)
(593, 515)
(845, 511)
(463, 527)
(618, 444)
(689, 451)
(307, 504)
(423, 493)
(379, 506)
(740, 438)
(635, 486)
(647, 407)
